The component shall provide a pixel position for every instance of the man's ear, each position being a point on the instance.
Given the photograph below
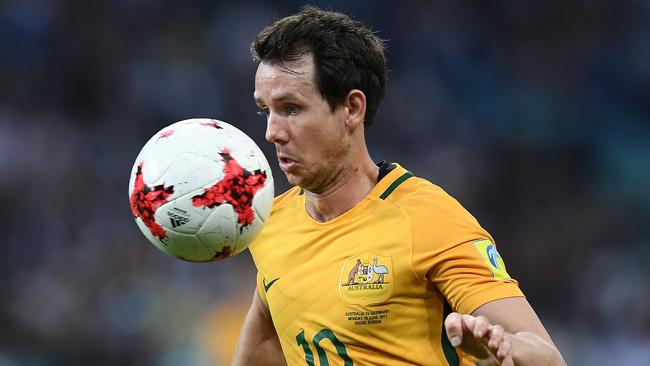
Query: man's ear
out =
(355, 103)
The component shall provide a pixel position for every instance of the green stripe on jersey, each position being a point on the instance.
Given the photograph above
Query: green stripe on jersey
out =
(450, 351)
(396, 183)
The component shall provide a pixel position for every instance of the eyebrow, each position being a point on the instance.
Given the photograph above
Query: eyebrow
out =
(257, 100)
(280, 98)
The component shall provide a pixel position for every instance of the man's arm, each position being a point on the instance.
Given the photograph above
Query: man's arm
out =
(504, 332)
(258, 343)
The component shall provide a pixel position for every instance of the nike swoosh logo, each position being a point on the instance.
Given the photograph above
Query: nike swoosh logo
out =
(267, 287)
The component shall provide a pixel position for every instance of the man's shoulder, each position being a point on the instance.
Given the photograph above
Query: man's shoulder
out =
(406, 189)
(420, 191)
(425, 201)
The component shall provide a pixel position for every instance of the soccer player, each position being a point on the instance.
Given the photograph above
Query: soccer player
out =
(363, 263)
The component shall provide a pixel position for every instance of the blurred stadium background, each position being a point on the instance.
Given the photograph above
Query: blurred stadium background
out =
(535, 115)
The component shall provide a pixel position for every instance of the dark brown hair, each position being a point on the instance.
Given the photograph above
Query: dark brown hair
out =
(347, 55)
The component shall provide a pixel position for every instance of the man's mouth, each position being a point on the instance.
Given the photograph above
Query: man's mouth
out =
(286, 163)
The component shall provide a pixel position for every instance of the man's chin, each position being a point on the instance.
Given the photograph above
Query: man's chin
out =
(298, 180)
(293, 179)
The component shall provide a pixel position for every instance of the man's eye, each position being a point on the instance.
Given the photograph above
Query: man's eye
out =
(264, 111)
(293, 109)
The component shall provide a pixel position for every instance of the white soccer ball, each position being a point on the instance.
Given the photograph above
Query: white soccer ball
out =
(200, 190)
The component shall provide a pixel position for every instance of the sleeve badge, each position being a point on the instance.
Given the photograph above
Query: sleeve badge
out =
(492, 258)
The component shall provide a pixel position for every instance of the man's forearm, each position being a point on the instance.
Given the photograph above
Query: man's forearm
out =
(529, 349)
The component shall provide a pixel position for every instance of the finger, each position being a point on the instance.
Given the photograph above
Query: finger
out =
(508, 361)
(496, 333)
(481, 326)
(454, 329)
(504, 350)
(468, 322)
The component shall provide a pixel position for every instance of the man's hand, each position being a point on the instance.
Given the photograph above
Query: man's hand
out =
(475, 335)
(504, 332)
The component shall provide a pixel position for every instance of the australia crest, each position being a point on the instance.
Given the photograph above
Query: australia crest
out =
(366, 279)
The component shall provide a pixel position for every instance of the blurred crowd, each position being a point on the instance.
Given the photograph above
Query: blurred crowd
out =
(534, 115)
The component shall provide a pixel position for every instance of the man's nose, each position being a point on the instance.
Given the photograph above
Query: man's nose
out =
(276, 132)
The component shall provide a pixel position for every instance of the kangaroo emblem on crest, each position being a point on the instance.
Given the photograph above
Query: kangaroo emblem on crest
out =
(352, 274)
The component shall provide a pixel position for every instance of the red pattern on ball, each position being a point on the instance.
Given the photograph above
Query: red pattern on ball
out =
(237, 188)
(146, 199)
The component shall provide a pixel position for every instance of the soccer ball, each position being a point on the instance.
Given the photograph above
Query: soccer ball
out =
(200, 190)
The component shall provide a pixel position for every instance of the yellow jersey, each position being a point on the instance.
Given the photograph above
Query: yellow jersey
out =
(374, 285)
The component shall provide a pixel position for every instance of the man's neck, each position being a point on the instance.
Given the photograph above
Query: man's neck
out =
(350, 188)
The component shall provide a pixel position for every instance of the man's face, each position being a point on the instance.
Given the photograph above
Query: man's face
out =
(311, 141)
